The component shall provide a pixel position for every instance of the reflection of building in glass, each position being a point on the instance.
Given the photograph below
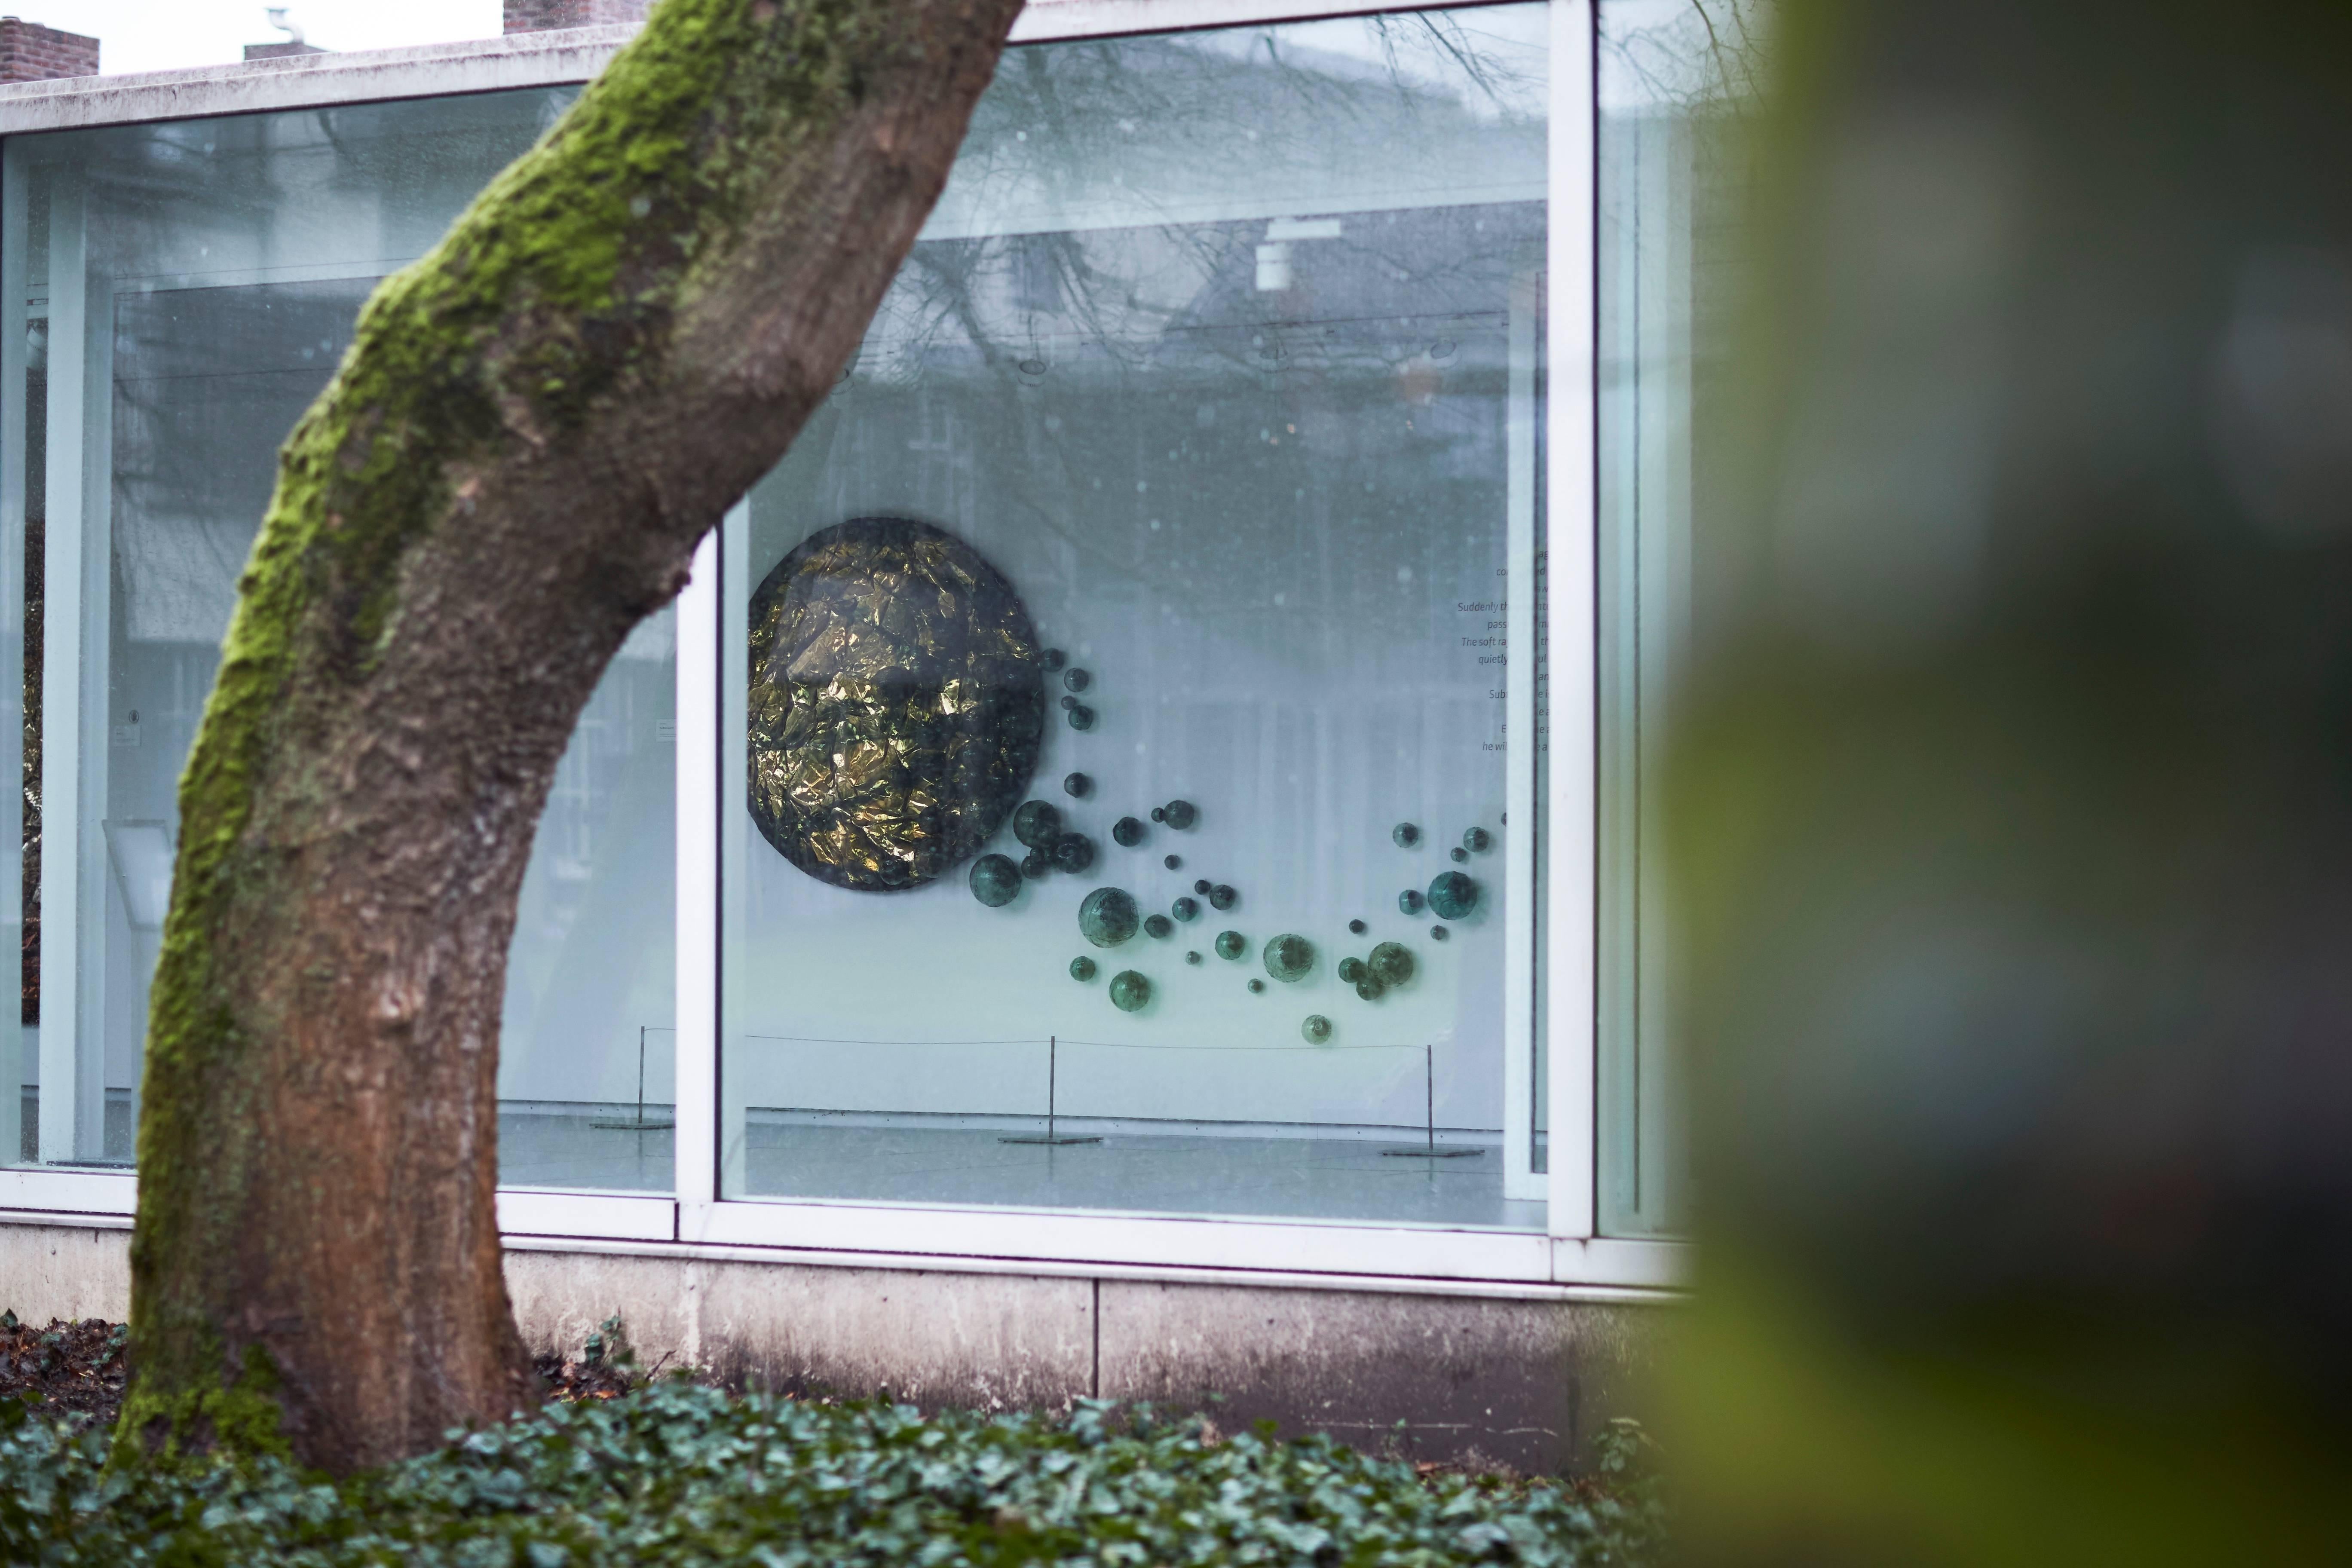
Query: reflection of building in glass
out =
(1230, 350)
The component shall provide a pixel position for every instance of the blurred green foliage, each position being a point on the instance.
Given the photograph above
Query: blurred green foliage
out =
(2011, 802)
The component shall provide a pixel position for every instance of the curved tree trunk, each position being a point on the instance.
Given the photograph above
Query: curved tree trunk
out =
(533, 428)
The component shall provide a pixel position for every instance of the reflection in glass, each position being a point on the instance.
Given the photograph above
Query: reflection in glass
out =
(1677, 84)
(175, 296)
(1219, 346)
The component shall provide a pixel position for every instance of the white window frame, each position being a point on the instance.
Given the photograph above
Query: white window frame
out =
(1569, 1252)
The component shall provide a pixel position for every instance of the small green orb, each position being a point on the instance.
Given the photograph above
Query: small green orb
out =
(1037, 865)
(1082, 717)
(1191, 958)
(1186, 909)
(1289, 956)
(1075, 679)
(1129, 990)
(1410, 900)
(1037, 823)
(1317, 1028)
(1222, 897)
(1054, 659)
(1357, 928)
(1477, 840)
(1255, 986)
(1405, 835)
(1158, 814)
(1201, 887)
(1127, 833)
(1181, 813)
(1173, 862)
(1370, 987)
(995, 880)
(1351, 970)
(1107, 917)
(1452, 896)
(1392, 962)
(1078, 786)
(1459, 854)
(1068, 703)
(1082, 968)
(1438, 933)
(1160, 926)
(1230, 944)
(1074, 852)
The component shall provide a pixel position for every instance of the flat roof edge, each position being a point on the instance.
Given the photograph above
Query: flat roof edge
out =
(303, 82)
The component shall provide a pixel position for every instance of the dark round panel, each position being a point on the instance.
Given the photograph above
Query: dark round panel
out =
(897, 703)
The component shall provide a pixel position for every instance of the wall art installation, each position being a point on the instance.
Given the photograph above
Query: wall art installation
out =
(897, 703)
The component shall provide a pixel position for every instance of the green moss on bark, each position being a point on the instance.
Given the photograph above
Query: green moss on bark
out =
(550, 301)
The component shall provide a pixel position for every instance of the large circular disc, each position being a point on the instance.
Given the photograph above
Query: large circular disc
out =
(897, 703)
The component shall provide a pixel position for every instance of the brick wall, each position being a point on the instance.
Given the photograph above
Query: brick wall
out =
(30, 52)
(538, 16)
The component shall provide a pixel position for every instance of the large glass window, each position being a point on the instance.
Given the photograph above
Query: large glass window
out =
(174, 295)
(1677, 81)
(1118, 801)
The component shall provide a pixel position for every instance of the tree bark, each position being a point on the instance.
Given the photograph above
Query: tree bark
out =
(534, 426)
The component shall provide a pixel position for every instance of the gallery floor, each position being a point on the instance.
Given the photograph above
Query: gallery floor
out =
(1183, 1171)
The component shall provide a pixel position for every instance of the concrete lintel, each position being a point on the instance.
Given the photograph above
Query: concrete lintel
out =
(300, 81)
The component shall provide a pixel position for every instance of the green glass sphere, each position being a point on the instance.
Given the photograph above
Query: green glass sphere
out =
(995, 880)
(1037, 823)
(1230, 944)
(1127, 833)
(1160, 926)
(1180, 814)
(1459, 854)
(1173, 862)
(1357, 928)
(1408, 902)
(1075, 679)
(1405, 835)
(1351, 970)
(1074, 852)
(1317, 1028)
(1255, 986)
(1078, 786)
(1037, 865)
(1191, 958)
(1221, 898)
(1477, 840)
(1452, 896)
(1082, 968)
(1081, 716)
(1129, 990)
(1054, 659)
(1438, 933)
(1186, 909)
(1392, 962)
(1201, 887)
(1289, 957)
(1370, 987)
(1107, 917)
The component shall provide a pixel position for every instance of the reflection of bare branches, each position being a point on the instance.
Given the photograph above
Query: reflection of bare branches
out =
(1702, 55)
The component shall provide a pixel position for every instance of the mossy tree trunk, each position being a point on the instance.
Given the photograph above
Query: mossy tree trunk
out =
(534, 426)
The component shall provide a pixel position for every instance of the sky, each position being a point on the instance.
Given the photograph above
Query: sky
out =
(166, 35)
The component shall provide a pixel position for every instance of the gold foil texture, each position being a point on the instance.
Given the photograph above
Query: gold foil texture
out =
(897, 703)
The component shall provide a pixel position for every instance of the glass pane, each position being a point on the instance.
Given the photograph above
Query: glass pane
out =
(175, 295)
(1186, 462)
(1676, 83)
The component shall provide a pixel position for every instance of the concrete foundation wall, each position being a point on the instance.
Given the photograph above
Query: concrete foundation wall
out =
(1448, 1377)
